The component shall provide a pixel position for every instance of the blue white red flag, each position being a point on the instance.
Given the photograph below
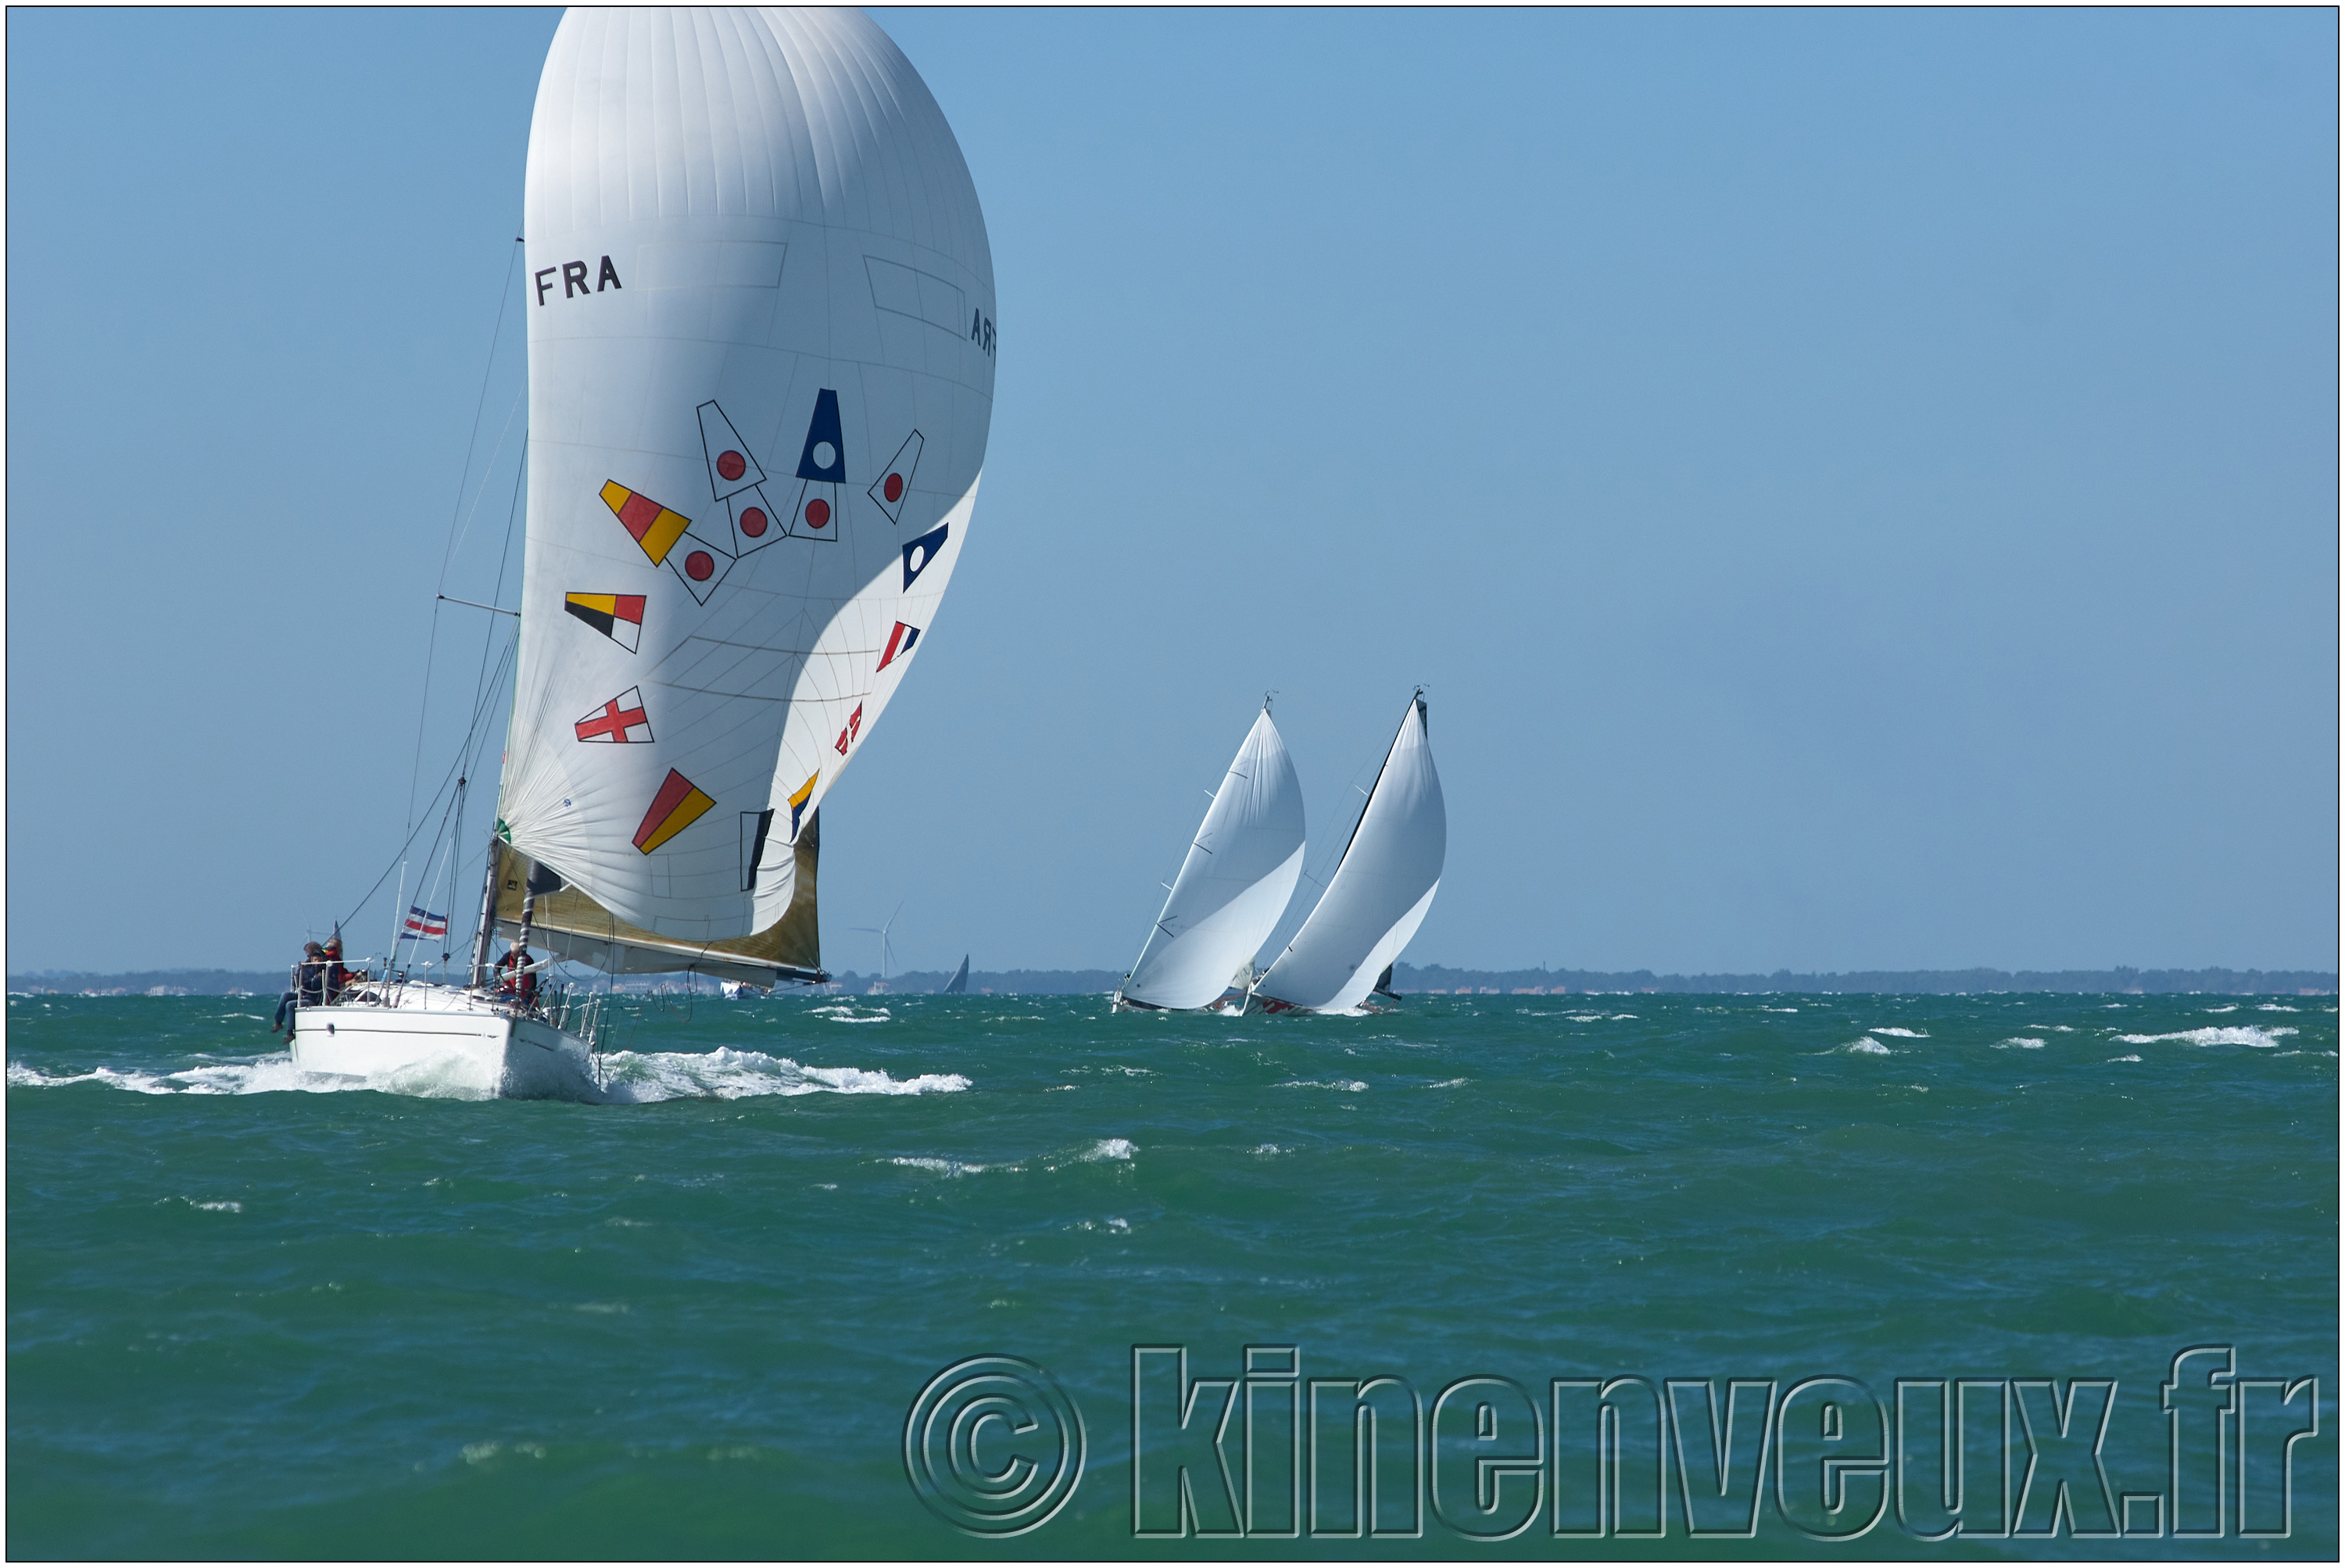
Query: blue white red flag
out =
(422, 923)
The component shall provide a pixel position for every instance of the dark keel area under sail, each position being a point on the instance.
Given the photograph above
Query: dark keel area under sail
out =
(569, 922)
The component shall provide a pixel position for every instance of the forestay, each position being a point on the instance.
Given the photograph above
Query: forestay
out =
(1381, 888)
(1235, 884)
(761, 373)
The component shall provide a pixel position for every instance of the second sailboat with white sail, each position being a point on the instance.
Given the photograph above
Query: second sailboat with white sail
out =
(1241, 869)
(1233, 884)
(1381, 890)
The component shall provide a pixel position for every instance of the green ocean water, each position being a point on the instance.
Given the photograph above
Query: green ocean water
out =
(246, 1319)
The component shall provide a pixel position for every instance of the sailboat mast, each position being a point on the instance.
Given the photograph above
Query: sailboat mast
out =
(488, 918)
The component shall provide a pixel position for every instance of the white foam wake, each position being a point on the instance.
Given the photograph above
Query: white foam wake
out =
(645, 1077)
(448, 1078)
(630, 1078)
(2214, 1034)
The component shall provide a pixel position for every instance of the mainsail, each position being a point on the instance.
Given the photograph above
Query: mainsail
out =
(959, 984)
(1381, 888)
(1235, 884)
(761, 355)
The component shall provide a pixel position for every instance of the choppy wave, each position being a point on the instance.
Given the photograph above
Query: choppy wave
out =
(2019, 1042)
(630, 1078)
(1899, 1033)
(2215, 1035)
(1348, 1085)
(941, 1166)
(844, 1013)
(1110, 1149)
(1868, 1046)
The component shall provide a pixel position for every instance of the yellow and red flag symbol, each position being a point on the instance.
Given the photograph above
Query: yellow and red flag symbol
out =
(654, 527)
(677, 806)
(667, 537)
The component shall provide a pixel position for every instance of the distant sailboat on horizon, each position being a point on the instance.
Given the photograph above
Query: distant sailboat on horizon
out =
(1379, 894)
(959, 984)
(1235, 884)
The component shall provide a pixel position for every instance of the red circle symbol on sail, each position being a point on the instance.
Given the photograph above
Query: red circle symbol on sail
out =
(731, 464)
(699, 565)
(894, 489)
(753, 521)
(817, 513)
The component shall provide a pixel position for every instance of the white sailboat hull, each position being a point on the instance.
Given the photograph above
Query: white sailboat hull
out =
(438, 1040)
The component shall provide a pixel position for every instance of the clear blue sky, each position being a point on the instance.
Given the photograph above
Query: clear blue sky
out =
(1860, 487)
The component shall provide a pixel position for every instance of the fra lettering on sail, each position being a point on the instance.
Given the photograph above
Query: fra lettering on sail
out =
(573, 279)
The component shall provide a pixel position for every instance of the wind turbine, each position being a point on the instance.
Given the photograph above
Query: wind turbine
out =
(887, 949)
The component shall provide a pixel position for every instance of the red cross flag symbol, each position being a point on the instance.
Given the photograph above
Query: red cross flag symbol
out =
(619, 721)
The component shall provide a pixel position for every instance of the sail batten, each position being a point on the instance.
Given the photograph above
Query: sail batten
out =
(1380, 891)
(1233, 884)
(761, 350)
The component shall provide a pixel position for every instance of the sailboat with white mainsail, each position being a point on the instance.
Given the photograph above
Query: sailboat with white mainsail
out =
(1379, 894)
(1235, 884)
(761, 364)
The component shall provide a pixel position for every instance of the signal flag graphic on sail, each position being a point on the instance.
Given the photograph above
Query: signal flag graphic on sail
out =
(895, 481)
(824, 456)
(798, 799)
(677, 806)
(846, 735)
(659, 529)
(921, 551)
(755, 826)
(733, 477)
(618, 616)
(899, 641)
(620, 721)
(730, 467)
(822, 465)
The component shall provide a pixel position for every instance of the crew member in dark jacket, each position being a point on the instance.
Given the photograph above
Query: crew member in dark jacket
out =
(309, 987)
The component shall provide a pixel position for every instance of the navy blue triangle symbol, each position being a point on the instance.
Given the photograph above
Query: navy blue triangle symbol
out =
(921, 551)
(822, 432)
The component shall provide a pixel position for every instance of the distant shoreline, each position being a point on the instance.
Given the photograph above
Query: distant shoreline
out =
(1438, 979)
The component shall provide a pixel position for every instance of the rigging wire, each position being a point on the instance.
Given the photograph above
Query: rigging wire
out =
(504, 559)
(471, 444)
(475, 736)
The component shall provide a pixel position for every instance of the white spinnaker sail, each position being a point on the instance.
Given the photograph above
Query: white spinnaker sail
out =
(1381, 888)
(761, 375)
(1240, 872)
